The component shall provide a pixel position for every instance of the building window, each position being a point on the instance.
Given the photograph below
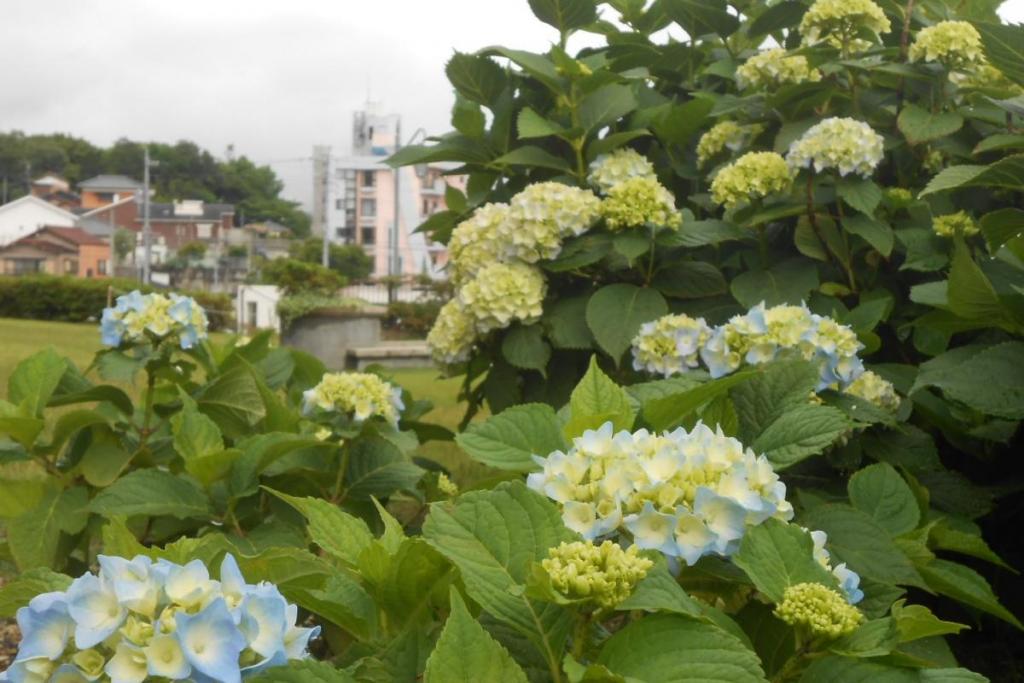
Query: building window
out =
(344, 234)
(368, 207)
(369, 236)
(339, 204)
(70, 267)
(369, 179)
(101, 266)
(251, 310)
(24, 266)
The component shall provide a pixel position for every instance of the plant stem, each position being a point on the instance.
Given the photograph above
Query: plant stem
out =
(340, 478)
(580, 634)
(762, 244)
(812, 216)
(148, 413)
(650, 262)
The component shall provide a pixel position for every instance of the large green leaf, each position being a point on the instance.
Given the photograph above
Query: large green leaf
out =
(920, 125)
(304, 671)
(799, 433)
(510, 439)
(530, 155)
(378, 468)
(104, 392)
(881, 492)
(835, 669)
(700, 17)
(1001, 226)
(596, 400)
(466, 653)
(494, 538)
(524, 347)
(616, 312)
(691, 280)
(776, 555)
(337, 532)
(341, 600)
(666, 648)
(34, 537)
(234, 401)
(17, 593)
(971, 294)
(666, 412)
(860, 193)
(857, 539)
(789, 282)
(35, 379)
(1003, 47)
(152, 492)
(989, 380)
(565, 15)
(1007, 172)
(780, 386)
(876, 233)
(659, 591)
(966, 585)
(606, 105)
(477, 78)
(566, 323)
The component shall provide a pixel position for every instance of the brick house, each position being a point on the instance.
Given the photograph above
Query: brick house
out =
(57, 251)
(106, 189)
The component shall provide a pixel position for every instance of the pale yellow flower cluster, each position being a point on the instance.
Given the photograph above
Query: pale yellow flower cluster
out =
(754, 175)
(503, 293)
(608, 170)
(452, 337)
(819, 610)
(951, 224)
(669, 345)
(604, 574)
(873, 389)
(721, 136)
(640, 201)
(475, 242)
(954, 44)
(361, 395)
(542, 216)
(773, 68)
(843, 23)
(984, 77)
(845, 144)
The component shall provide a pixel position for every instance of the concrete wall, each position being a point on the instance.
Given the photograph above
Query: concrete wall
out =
(330, 335)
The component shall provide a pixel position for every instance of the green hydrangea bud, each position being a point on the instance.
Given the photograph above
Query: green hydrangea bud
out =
(822, 611)
(137, 631)
(898, 197)
(90, 662)
(604, 574)
(447, 486)
(754, 175)
(959, 223)
(638, 201)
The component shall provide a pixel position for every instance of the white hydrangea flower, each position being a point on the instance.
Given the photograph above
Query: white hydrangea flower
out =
(477, 241)
(452, 337)
(608, 170)
(542, 216)
(954, 44)
(843, 23)
(872, 388)
(721, 136)
(773, 68)
(845, 144)
(359, 394)
(669, 345)
(684, 493)
(754, 175)
(502, 293)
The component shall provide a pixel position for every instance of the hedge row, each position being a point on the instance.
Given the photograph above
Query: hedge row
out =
(47, 297)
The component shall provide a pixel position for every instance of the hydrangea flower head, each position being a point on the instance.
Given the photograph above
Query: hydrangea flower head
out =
(503, 293)
(683, 493)
(753, 176)
(608, 170)
(873, 389)
(358, 394)
(844, 144)
(772, 68)
(604, 574)
(843, 23)
(669, 345)
(640, 201)
(477, 241)
(721, 136)
(138, 317)
(452, 337)
(849, 580)
(819, 610)
(954, 44)
(126, 625)
(543, 215)
(952, 224)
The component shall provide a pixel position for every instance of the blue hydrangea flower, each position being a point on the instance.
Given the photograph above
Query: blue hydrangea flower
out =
(211, 641)
(45, 627)
(94, 606)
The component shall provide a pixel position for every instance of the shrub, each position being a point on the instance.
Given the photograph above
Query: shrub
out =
(296, 277)
(350, 261)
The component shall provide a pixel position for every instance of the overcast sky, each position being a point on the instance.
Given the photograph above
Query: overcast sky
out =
(271, 77)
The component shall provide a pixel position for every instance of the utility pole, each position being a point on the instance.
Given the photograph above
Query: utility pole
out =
(393, 264)
(325, 256)
(5, 191)
(147, 237)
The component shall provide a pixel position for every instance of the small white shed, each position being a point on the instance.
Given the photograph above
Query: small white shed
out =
(256, 307)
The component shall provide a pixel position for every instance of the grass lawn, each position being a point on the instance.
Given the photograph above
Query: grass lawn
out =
(79, 341)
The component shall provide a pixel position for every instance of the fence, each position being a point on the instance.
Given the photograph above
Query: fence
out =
(379, 293)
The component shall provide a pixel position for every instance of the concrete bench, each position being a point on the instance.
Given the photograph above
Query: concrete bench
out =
(411, 354)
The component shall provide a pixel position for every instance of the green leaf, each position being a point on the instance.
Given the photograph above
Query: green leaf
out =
(596, 400)
(781, 386)
(304, 671)
(613, 141)
(509, 439)
(341, 600)
(339, 534)
(566, 323)
(776, 555)
(565, 15)
(34, 537)
(786, 14)
(616, 312)
(524, 347)
(702, 233)
(152, 492)
(1003, 48)
(836, 669)
(700, 17)
(665, 648)
(606, 105)
(466, 653)
(971, 294)
(945, 537)
(659, 591)
(105, 392)
(494, 538)
(1007, 172)
(234, 402)
(530, 124)
(920, 125)
(914, 622)
(875, 638)
(104, 459)
(670, 411)
(379, 468)
(690, 280)
(529, 155)
(881, 492)
(800, 433)
(857, 539)
(1001, 226)
(678, 123)
(17, 592)
(860, 193)
(195, 435)
(35, 379)
(476, 77)
(631, 244)
(789, 282)
(990, 381)
(966, 585)
(468, 119)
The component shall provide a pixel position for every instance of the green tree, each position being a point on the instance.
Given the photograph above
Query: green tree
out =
(299, 277)
(124, 244)
(192, 251)
(348, 260)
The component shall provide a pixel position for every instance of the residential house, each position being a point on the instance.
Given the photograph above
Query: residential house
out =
(56, 250)
(55, 190)
(106, 189)
(28, 214)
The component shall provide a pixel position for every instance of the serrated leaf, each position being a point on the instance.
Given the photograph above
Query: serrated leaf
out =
(989, 380)
(966, 585)
(1003, 48)
(789, 282)
(606, 105)
(154, 493)
(17, 592)
(34, 537)
(564, 15)
(914, 622)
(766, 396)
(466, 653)
(566, 323)
(105, 392)
(700, 17)
(1001, 226)
(881, 492)
(379, 468)
(659, 591)
(511, 438)
(667, 412)
(530, 155)
(524, 347)
(665, 648)
(596, 400)
(860, 193)
(776, 555)
(530, 124)
(920, 125)
(337, 532)
(35, 379)
(800, 433)
(1007, 172)
(690, 280)
(616, 312)
(304, 671)
(476, 77)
